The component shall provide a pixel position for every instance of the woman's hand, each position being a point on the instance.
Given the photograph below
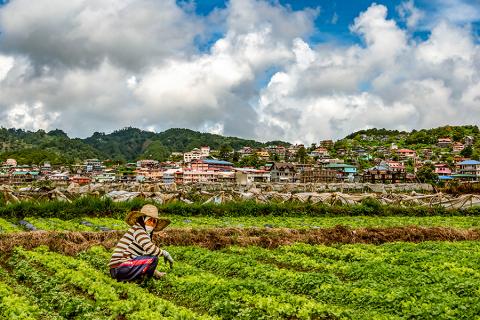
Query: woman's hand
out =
(167, 258)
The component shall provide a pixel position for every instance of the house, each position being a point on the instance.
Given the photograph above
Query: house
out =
(394, 166)
(93, 165)
(81, 179)
(320, 152)
(211, 165)
(46, 169)
(427, 153)
(245, 151)
(282, 172)
(205, 151)
(105, 177)
(24, 176)
(317, 175)
(383, 173)
(444, 142)
(404, 154)
(468, 141)
(146, 163)
(10, 163)
(442, 169)
(59, 177)
(4, 178)
(263, 155)
(327, 144)
(245, 176)
(195, 154)
(194, 176)
(469, 167)
(281, 151)
(457, 147)
(344, 171)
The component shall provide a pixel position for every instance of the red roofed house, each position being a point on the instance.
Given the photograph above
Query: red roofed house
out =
(442, 169)
(406, 154)
(444, 142)
(457, 147)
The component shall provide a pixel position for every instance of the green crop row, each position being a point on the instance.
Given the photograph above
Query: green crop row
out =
(236, 298)
(96, 224)
(7, 227)
(50, 291)
(120, 299)
(428, 290)
(14, 306)
(99, 207)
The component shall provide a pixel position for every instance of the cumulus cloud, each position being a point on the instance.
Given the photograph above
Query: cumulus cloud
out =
(129, 33)
(410, 14)
(391, 81)
(84, 67)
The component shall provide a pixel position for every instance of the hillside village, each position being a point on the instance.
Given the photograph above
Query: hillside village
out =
(374, 156)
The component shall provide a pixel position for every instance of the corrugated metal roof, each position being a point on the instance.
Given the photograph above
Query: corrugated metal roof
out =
(469, 162)
(339, 165)
(219, 162)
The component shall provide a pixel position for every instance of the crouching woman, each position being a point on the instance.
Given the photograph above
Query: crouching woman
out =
(135, 257)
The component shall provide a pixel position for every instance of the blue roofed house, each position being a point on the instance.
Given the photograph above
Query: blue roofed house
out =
(468, 169)
(345, 172)
(211, 165)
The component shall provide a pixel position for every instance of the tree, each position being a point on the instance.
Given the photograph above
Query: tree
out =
(467, 152)
(156, 151)
(302, 155)
(252, 161)
(224, 152)
(236, 156)
(427, 174)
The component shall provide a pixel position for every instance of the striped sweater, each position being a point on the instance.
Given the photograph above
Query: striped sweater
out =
(136, 242)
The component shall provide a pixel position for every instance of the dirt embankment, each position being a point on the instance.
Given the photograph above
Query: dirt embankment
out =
(73, 242)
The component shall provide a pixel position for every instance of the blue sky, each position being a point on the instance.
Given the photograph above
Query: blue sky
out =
(336, 17)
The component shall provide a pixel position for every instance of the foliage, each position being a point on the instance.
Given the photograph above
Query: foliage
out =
(427, 174)
(467, 152)
(251, 161)
(123, 145)
(107, 292)
(100, 207)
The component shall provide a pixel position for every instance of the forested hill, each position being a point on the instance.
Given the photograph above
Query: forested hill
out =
(127, 144)
(130, 144)
(413, 139)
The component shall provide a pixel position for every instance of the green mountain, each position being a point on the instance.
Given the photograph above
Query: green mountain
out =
(415, 139)
(122, 145)
(129, 144)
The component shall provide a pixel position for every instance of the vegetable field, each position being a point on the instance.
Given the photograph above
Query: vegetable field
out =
(429, 280)
(244, 261)
(106, 224)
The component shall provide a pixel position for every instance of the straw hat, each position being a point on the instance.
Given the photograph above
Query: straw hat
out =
(148, 210)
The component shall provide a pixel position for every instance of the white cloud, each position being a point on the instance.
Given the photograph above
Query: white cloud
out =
(84, 67)
(392, 82)
(410, 14)
(31, 117)
(84, 33)
(6, 64)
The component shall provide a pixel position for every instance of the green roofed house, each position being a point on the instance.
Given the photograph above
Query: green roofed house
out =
(24, 176)
(345, 172)
(468, 170)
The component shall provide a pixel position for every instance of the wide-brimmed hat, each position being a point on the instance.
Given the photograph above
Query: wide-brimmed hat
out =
(148, 210)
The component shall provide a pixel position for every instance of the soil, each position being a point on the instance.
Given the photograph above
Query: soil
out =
(71, 243)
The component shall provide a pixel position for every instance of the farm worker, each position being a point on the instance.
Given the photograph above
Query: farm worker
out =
(135, 257)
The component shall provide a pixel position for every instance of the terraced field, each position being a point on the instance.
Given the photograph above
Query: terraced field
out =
(430, 280)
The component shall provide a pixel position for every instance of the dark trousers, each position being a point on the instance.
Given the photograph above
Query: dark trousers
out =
(138, 268)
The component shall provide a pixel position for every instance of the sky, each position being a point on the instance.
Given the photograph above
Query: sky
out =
(298, 71)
